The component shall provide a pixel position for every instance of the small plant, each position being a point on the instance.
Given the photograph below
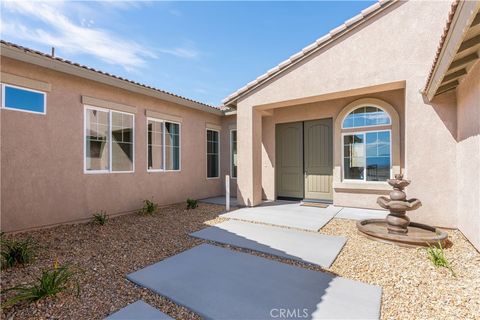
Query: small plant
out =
(15, 252)
(51, 282)
(437, 256)
(100, 218)
(192, 203)
(149, 207)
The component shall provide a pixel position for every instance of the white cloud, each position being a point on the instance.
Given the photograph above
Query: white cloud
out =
(200, 90)
(175, 12)
(58, 30)
(188, 53)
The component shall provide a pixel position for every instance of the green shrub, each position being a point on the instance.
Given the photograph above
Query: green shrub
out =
(15, 252)
(100, 218)
(437, 256)
(149, 207)
(51, 282)
(192, 203)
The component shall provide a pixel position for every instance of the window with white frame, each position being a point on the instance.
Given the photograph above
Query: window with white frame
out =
(23, 99)
(366, 149)
(163, 145)
(213, 154)
(233, 153)
(109, 140)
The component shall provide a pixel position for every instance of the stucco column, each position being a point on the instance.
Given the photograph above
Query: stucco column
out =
(249, 135)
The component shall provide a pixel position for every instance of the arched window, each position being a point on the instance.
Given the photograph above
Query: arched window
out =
(367, 154)
(367, 116)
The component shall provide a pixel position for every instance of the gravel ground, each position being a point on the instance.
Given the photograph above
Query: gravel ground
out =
(412, 287)
(105, 254)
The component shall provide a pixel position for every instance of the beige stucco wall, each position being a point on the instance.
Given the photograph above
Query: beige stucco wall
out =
(468, 155)
(397, 46)
(42, 176)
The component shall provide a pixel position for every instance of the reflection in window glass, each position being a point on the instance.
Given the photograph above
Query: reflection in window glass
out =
(108, 140)
(97, 140)
(155, 145)
(172, 146)
(212, 154)
(365, 117)
(353, 156)
(122, 141)
(367, 153)
(24, 99)
(378, 156)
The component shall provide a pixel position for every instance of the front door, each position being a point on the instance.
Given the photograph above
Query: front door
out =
(318, 159)
(304, 160)
(289, 160)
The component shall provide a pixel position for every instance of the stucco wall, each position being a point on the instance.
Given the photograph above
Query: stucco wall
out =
(43, 182)
(468, 155)
(398, 45)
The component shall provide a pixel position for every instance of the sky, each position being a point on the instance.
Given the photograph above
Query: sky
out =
(201, 50)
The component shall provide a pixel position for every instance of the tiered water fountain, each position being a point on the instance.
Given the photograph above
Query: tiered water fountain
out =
(397, 228)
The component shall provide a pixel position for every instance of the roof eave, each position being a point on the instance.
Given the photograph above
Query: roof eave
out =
(309, 50)
(457, 30)
(79, 71)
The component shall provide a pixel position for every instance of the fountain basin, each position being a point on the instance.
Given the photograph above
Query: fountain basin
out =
(418, 234)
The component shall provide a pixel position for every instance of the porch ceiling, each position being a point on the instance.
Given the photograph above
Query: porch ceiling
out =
(397, 85)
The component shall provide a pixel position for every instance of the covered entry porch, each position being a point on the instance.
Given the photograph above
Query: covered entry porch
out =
(337, 148)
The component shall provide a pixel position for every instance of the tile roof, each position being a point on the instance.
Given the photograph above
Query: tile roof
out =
(453, 9)
(28, 50)
(335, 33)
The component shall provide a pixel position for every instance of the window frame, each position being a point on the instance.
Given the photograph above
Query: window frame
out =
(363, 105)
(206, 154)
(85, 171)
(4, 85)
(364, 133)
(231, 153)
(163, 121)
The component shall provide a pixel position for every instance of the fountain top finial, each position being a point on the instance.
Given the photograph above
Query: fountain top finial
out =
(398, 183)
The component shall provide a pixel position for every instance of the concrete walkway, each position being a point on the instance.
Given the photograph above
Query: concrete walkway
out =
(138, 310)
(310, 247)
(360, 214)
(218, 283)
(287, 214)
(220, 201)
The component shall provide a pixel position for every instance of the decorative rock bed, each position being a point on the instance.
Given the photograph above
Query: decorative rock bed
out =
(412, 287)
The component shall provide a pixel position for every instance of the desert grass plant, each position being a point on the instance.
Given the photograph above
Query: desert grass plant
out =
(50, 283)
(100, 218)
(436, 254)
(192, 203)
(149, 207)
(17, 252)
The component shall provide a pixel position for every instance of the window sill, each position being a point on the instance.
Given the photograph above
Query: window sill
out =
(107, 172)
(362, 186)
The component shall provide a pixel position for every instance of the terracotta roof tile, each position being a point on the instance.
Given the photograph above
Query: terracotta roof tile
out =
(336, 32)
(25, 49)
(453, 9)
